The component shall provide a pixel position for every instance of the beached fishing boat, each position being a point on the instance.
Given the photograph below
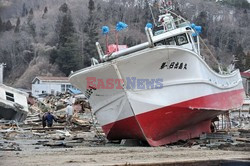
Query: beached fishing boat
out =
(160, 91)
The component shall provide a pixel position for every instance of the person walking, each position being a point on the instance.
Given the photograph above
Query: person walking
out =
(69, 113)
(49, 119)
(44, 120)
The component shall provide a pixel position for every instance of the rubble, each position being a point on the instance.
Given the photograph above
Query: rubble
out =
(24, 139)
(57, 106)
(80, 133)
(32, 143)
(85, 131)
(9, 146)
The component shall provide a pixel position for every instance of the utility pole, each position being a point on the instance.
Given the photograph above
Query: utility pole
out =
(2, 65)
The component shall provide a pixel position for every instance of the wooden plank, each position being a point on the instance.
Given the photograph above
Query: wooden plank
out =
(243, 140)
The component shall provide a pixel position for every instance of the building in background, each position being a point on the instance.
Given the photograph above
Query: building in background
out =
(50, 85)
(245, 110)
(246, 81)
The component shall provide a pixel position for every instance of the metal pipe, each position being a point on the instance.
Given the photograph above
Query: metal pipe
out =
(149, 35)
(198, 45)
(100, 51)
(126, 51)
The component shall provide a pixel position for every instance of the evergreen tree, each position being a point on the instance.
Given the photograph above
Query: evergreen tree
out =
(24, 11)
(53, 56)
(17, 25)
(8, 26)
(31, 27)
(91, 34)
(232, 43)
(247, 65)
(91, 6)
(68, 58)
(201, 20)
(240, 57)
(31, 15)
(64, 8)
(67, 54)
(43, 31)
(1, 25)
(45, 10)
(245, 21)
(67, 29)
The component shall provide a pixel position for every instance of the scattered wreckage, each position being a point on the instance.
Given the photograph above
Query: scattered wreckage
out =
(13, 104)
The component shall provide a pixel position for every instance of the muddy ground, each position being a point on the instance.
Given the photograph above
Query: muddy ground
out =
(31, 151)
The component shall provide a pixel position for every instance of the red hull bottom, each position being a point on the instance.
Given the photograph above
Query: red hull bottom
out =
(169, 124)
(157, 132)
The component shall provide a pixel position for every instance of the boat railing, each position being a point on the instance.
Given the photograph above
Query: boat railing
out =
(151, 40)
(170, 19)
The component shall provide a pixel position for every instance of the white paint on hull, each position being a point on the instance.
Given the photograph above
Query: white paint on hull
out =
(180, 85)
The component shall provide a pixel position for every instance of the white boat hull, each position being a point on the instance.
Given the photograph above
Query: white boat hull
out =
(186, 94)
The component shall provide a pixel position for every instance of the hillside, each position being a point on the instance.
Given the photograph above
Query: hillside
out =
(51, 37)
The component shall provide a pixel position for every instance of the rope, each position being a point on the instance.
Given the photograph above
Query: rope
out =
(212, 55)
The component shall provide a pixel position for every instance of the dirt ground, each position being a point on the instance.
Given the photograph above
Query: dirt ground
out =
(33, 154)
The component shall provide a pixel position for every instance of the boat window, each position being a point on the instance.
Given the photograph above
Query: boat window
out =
(10, 96)
(195, 39)
(189, 38)
(170, 41)
(169, 27)
(181, 39)
(177, 40)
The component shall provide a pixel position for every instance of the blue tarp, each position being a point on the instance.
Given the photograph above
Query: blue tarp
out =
(105, 30)
(149, 25)
(120, 26)
(198, 29)
(74, 91)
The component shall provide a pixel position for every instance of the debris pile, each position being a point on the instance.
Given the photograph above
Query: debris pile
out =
(56, 105)
(9, 146)
(81, 132)
(231, 132)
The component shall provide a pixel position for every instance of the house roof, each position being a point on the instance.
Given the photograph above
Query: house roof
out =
(245, 74)
(51, 79)
(44, 78)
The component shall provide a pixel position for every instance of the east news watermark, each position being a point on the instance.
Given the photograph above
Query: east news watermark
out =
(128, 83)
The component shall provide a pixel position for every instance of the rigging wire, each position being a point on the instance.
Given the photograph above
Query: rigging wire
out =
(152, 14)
(213, 56)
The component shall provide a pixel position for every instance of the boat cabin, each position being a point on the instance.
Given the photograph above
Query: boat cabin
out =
(177, 32)
(172, 30)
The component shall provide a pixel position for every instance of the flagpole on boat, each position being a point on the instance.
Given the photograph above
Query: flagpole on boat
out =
(116, 40)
